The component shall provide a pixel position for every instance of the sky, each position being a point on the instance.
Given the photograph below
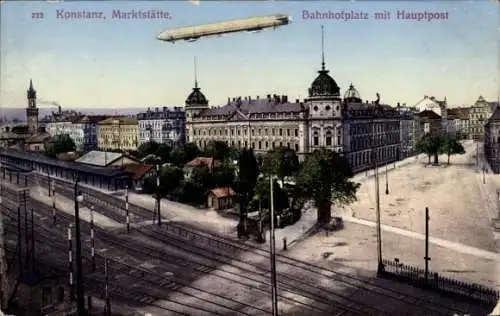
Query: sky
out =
(119, 63)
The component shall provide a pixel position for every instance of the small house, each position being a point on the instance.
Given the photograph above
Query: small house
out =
(138, 173)
(209, 162)
(220, 198)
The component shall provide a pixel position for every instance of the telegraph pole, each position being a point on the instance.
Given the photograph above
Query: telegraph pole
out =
(380, 267)
(19, 242)
(386, 180)
(427, 258)
(33, 239)
(158, 198)
(70, 263)
(79, 272)
(126, 208)
(26, 236)
(107, 306)
(92, 240)
(273, 254)
(49, 182)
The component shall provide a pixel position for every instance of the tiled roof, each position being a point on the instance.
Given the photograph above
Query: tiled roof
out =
(254, 106)
(122, 121)
(429, 115)
(99, 158)
(138, 170)
(204, 161)
(458, 113)
(222, 192)
(495, 117)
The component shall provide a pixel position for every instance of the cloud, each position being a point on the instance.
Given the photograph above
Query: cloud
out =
(195, 2)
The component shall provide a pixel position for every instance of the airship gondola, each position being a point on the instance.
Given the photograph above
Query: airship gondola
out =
(252, 25)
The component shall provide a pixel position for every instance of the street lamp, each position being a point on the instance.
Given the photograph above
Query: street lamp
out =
(79, 273)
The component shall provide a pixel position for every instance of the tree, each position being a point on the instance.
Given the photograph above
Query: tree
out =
(325, 178)
(191, 151)
(59, 144)
(218, 150)
(147, 148)
(163, 152)
(178, 156)
(281, 162)
(430, 145)
(450, 146)
(223, 176)
(170, 179)
(263, 193)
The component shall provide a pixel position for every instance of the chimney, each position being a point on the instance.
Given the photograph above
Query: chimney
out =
(297, 100)
(399, 104)
(165, 109)
(228, 100)
(60, 109)
(258, 97)
(269, 97)
(234, 99)
(284, 99)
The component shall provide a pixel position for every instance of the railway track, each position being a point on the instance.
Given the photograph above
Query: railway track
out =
(153, 287)
(146, 253)
(104, 201)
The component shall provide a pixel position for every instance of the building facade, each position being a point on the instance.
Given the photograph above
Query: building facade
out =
(117, 134)
(407, 131)
(323, 120)
(459, 119)
(492, 141)
(478, 116)
(84, 132)
(164, 126)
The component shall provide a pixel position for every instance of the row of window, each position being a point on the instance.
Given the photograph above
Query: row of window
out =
(260, 145)
(365, 157)
(274, 131)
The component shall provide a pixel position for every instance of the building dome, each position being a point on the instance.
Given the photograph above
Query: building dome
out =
(196, 97)
(324, 85)
(352, 95)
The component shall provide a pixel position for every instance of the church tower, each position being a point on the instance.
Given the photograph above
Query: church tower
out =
(195, 104)
(32, 110)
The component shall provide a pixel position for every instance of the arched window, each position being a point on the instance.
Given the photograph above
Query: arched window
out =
(328, 138)
(315, 138)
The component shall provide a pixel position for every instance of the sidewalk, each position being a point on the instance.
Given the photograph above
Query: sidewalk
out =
(437, 241)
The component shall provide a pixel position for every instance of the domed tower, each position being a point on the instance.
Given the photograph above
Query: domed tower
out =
(325, 112)
(352, 95)
(32, 110)
(195, 104)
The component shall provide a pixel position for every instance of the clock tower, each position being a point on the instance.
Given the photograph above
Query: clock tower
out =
(32, 110)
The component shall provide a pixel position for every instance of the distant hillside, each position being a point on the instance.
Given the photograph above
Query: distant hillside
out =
(20, 113)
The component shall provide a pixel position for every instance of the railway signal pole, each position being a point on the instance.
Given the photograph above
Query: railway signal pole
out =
(92, 240)
(79, 270)
(427, 258)
(70, 263)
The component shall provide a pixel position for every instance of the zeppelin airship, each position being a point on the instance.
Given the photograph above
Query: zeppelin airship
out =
(254, 24)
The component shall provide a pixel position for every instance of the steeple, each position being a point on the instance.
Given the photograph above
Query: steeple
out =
(31, 93)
